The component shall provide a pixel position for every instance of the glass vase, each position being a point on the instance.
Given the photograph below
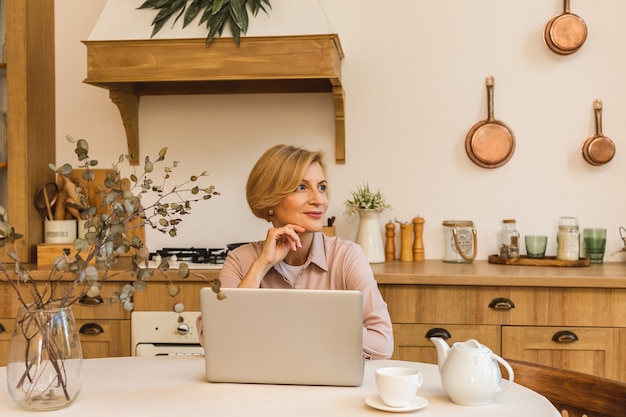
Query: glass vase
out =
(45, 359)
(369, 236)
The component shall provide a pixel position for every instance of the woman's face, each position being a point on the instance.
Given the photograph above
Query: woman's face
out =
(306, 206)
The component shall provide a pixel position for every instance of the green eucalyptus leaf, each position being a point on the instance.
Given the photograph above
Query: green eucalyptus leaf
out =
(148, 167)
(117, 229)
(174, 290)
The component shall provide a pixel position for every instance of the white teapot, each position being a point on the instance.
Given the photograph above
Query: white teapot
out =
(469, 371)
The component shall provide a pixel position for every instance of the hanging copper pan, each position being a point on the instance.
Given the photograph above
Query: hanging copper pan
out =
(598, 149)
(564, 34)
(490, 143)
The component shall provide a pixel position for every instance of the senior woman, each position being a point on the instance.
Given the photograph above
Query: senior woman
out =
(288, 187)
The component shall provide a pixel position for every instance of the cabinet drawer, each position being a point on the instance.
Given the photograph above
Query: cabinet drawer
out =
(157, 298)
(584, 349)
(569, 306)
(94, 310)
(104, 338)
(451, 304)
(98, 338)
(412, 344)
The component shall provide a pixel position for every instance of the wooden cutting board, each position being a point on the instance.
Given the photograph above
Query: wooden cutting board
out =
(100, 176)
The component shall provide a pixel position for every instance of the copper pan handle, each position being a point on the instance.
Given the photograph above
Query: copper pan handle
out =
(566, 6)
(490, 81)
(597, 108)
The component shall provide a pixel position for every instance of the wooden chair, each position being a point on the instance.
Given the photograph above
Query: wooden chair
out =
(574, 394)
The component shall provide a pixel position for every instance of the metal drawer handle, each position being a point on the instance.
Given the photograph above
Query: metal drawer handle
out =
(501, 303)
(91, 301)
(565, 336)
(438, 332)
(91, 328)
(2, 329)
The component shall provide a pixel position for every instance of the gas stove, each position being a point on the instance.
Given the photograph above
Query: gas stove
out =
(195, 258)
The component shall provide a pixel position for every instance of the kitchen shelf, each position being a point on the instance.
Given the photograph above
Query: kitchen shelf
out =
(274, 64)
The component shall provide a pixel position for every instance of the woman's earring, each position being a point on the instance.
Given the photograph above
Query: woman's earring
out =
(270, 212)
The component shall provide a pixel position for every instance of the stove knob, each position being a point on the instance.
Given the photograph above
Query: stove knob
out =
(182, 329)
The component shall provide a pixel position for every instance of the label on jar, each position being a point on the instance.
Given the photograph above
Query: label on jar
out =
(568, 246)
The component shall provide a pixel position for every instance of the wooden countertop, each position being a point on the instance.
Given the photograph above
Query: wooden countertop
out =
(437, 272)
(483, 273)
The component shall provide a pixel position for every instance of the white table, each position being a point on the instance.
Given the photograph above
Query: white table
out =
(176, 386)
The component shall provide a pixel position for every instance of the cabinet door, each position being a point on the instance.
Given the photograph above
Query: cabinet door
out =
(104, 338)
(6, 328)
(591, 350)
(411, 342)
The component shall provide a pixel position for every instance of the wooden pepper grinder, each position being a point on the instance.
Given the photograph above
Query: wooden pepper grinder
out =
(418, 243)
(390, 243)
(406, 233)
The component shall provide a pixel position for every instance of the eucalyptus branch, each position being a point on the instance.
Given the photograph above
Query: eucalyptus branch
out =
(119, 209)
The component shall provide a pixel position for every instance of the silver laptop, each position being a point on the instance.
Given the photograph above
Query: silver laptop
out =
(283, 336)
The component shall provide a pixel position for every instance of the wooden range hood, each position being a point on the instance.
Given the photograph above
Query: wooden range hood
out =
(275, 64)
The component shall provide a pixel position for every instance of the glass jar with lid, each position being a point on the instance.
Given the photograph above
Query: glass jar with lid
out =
(568, 239)
(508, 240)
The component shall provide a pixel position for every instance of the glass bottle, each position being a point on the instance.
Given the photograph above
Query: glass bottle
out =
(568, 239)
(508, 240)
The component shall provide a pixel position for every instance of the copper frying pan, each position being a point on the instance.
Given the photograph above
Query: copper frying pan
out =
(564, 34)
(490, 143)
(598, 149)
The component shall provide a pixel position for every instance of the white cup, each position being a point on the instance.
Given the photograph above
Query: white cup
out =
(397, 386)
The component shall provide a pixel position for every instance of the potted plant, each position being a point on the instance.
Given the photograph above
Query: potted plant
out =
(368, 204)
(214, 13)
(43, 370)
(365, 199)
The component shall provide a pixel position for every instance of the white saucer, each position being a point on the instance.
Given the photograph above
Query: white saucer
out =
(376, 402)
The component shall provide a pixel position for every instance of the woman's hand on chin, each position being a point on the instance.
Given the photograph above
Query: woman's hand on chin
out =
(280, 240)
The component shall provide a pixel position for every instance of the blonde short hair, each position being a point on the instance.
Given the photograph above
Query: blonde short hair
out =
(276, 174)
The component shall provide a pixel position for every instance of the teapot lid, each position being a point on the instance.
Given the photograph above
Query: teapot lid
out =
(473, 345)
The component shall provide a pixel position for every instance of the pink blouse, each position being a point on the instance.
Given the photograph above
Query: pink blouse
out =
(334, 264)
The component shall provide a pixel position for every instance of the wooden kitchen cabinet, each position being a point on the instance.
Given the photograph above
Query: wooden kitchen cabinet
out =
(104, 329)
(30, 82)
(594, 350)
(515, 312)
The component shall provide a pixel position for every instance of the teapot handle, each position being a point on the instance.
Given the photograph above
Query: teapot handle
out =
(504, 384)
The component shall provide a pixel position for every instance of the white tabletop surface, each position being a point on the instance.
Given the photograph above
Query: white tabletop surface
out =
(177, 386)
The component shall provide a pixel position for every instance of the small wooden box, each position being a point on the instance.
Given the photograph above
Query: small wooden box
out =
(47, 252)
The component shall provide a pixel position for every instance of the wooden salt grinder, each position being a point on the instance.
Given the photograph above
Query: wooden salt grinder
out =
(418, 243)
(406, 233)
(390, 243)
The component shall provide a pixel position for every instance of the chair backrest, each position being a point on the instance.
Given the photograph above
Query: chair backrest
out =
(574, 394)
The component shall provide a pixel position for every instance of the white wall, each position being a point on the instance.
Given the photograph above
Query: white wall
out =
(414, 74)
